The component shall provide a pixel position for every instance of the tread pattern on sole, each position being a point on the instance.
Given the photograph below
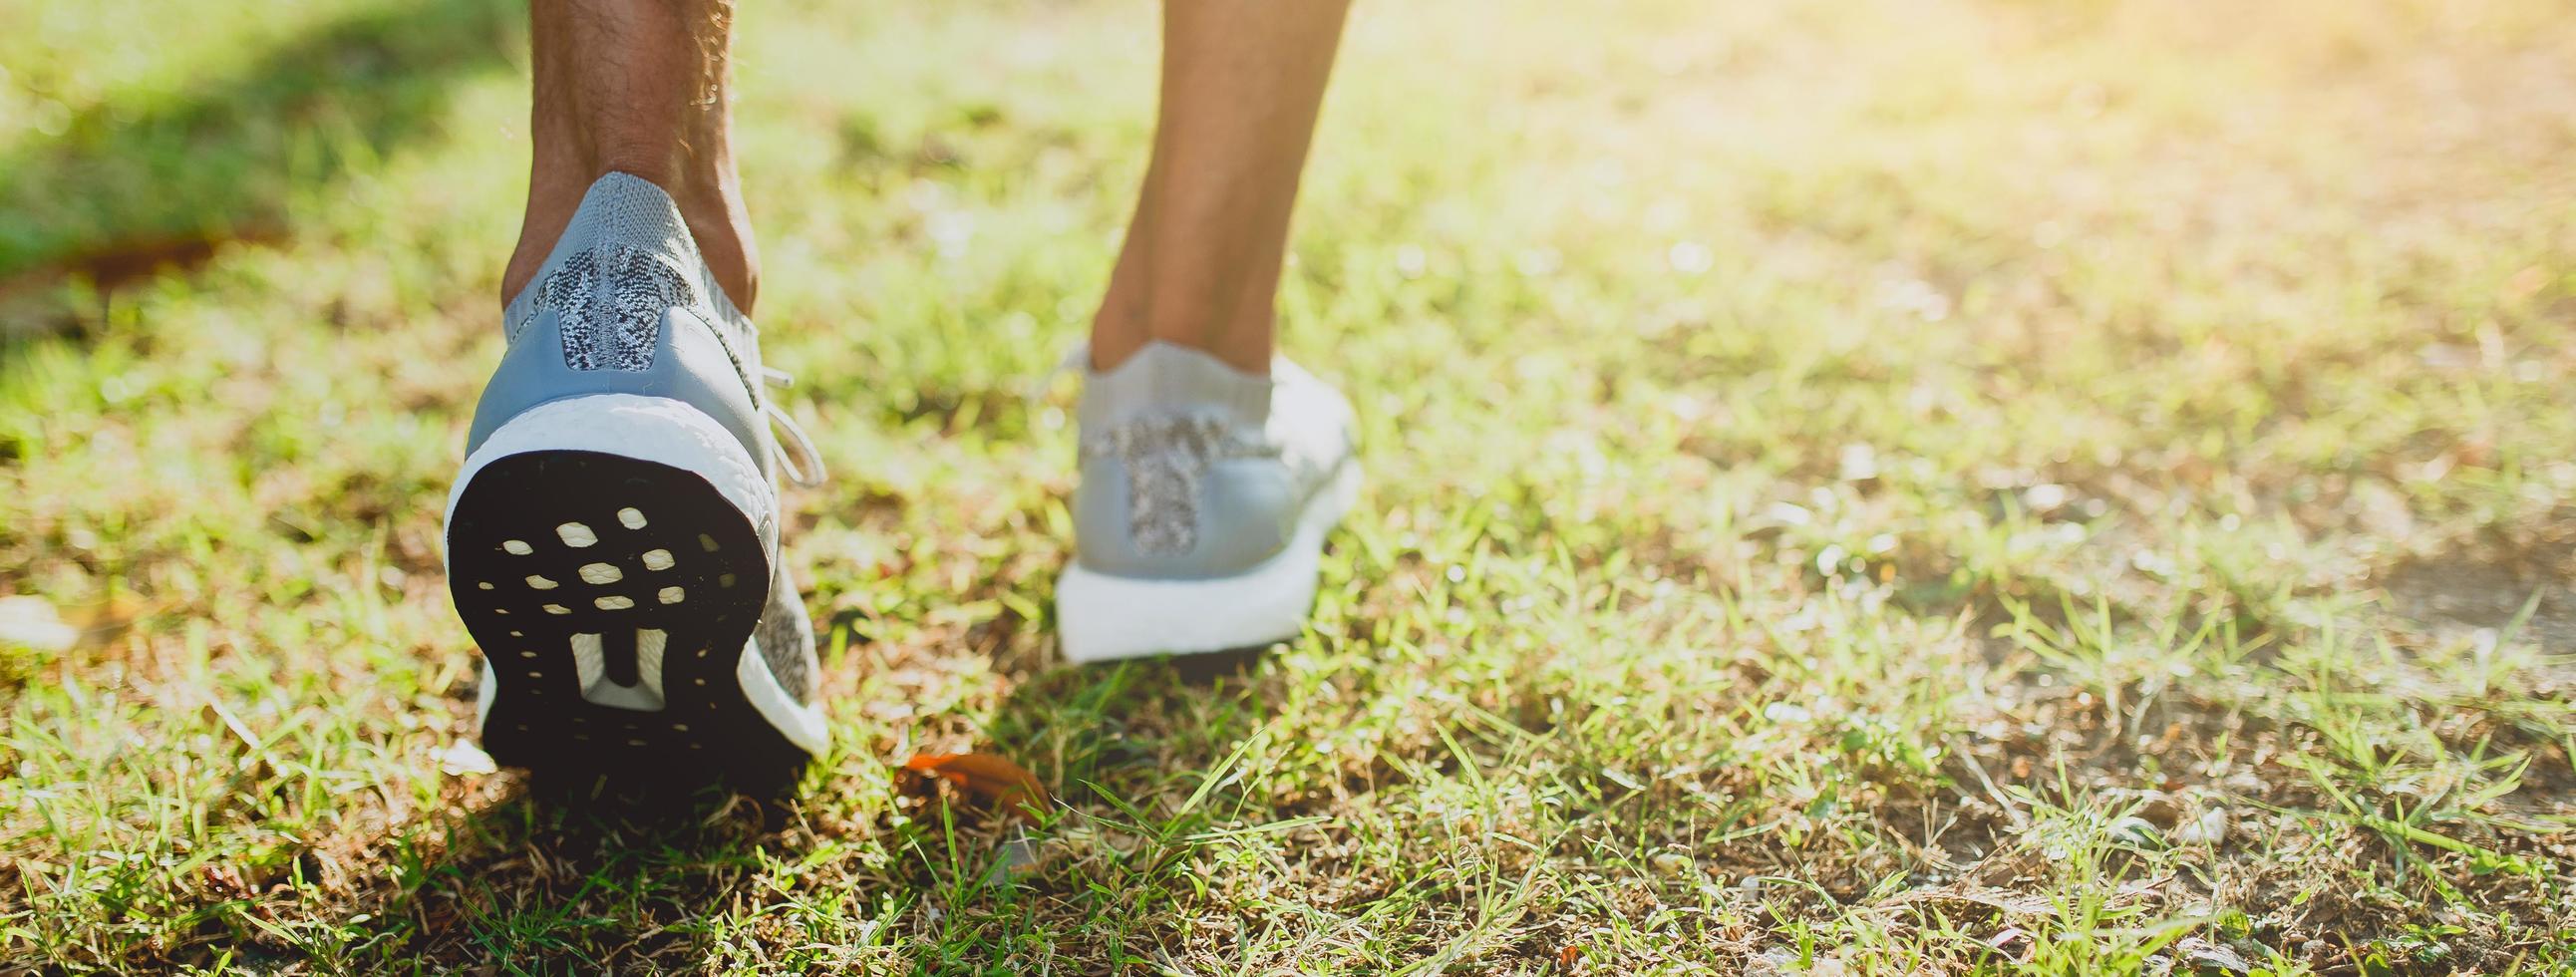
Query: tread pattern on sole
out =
(579, 571)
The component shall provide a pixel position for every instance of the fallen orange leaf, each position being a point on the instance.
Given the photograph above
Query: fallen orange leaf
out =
(984, 776)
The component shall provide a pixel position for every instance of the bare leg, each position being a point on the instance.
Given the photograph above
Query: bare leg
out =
(641, 87)
(1242, 80)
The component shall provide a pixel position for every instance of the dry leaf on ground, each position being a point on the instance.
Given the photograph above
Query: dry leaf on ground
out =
(988, 778)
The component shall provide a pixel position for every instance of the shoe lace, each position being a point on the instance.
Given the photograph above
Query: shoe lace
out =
(804, 464)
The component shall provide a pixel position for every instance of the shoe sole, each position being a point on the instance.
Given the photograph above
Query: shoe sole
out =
(1104, 617)
(606, 553)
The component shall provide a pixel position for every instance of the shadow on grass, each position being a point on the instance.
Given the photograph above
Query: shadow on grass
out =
(552, 878)
(132, 187)
(556, 876)
(1111, 729)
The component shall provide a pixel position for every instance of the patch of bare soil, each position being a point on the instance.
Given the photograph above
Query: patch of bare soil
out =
(2453, 598)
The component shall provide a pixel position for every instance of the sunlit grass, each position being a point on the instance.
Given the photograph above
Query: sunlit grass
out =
(1854, 488)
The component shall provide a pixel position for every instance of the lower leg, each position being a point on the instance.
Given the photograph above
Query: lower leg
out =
(1242, 81)
(640, 87)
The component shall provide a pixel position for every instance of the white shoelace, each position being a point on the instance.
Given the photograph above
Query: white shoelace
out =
(806, 469)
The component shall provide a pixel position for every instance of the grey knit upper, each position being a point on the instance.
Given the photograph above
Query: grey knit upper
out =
(625, 304)
(626, 257)
(1192, 469)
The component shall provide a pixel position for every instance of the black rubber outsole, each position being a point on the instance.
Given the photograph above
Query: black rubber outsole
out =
(545, 546)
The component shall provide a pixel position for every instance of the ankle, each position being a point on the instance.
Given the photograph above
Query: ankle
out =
(721, 227)
(1129, 320)
(638, 87)
(1112, 347)
(710, 200)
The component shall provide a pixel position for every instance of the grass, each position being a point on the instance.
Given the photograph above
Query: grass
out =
(1864, 487)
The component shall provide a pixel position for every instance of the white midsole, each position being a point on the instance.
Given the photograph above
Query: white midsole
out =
(668, 432)
(485, 693)
(1101, 617)
(590, 672)
(655, 429)
(802, 723)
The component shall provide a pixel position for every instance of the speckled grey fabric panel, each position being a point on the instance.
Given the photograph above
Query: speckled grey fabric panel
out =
(786, 638)
(626, 248)
(1166, 457)
(609, 302)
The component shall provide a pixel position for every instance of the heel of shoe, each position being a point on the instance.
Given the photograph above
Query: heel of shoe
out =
(653, 429)
(612, 556)
(1106, 617)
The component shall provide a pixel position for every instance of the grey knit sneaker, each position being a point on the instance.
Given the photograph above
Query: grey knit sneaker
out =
(612, 542)
(1205, 497)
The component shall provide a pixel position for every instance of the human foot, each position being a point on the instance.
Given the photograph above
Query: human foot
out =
(612, 540)
(1206, 494)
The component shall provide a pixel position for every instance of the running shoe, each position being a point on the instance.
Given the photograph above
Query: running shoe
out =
(612, 541)
(1205, 497)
